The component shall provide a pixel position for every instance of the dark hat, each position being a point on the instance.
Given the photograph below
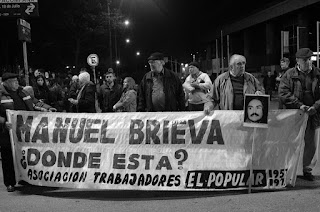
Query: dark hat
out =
(110, 71)
(194, 63)
(304, 53)
(156, 56)
(8, 75)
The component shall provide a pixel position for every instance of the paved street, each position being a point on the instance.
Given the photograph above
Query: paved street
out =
(305, 196)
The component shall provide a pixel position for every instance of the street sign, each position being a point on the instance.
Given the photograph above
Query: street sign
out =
(19, 8)
(24, 30)
(93, 60)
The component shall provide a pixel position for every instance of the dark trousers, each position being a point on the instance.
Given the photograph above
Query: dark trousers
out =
(195, 107)
(269, 92)
(7, 166)
(311, 142)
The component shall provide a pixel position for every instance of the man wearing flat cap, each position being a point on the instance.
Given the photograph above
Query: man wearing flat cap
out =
(197, 87)
(160, 89)
(12, 97)
(299, 89)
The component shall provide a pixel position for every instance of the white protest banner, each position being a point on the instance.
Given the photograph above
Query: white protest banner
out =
(156, 151)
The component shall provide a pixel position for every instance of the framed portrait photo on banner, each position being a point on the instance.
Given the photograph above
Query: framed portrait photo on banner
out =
(256, 109)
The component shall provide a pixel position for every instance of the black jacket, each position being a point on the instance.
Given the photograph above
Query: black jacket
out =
(86, 103)
(174, 94)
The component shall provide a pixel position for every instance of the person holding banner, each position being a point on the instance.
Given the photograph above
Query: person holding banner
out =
(12, 97)
(230, 87)
(299, 89)
(160, 89)
(85, 101)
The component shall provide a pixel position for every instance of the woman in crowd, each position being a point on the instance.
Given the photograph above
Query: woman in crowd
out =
(128, 100)
(41, 90)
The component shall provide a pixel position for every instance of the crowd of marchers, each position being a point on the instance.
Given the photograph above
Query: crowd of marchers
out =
(162, 90)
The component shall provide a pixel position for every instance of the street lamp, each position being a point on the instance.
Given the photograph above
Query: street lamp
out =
(118, 62)
(138, 53)
(127, 40)
(126, 22)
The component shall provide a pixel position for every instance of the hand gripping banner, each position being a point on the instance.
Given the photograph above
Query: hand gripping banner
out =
(156, 151)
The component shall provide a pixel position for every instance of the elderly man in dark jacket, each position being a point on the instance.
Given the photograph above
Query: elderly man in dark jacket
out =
(12, 97)
(299, 89)
(160, 88)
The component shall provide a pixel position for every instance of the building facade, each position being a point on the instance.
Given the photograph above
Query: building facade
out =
(265, 36)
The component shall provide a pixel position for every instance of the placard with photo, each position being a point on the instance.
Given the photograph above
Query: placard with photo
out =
(256, 108)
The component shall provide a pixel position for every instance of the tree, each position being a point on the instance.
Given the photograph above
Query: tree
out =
(82, 20)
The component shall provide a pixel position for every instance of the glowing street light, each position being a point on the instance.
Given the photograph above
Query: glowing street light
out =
(127, 40)
(126, 22)
(138, 53)
(118, 62)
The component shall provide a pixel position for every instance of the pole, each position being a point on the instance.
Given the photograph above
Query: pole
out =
(110, 39)
(228, 48)
(116, 50)
(171, 63)
(94, 74)
(217, 49)
(298, 38)
(25, 62)
(98, 110)
(318, 44)
(176, 65)
(222, 62)
(251, 177)
(282, 43)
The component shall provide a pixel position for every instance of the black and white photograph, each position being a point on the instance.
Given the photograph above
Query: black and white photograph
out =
(256, 109)
(159, 105)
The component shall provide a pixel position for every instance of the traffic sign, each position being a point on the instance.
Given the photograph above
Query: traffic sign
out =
(19, 8)
(93, 60)
(24, 30)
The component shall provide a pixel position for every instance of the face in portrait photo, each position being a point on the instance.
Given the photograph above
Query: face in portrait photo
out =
(256, 110)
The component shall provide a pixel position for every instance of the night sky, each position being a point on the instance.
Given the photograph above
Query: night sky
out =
(174, 27)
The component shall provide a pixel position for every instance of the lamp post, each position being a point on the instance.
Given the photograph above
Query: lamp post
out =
(110, 39)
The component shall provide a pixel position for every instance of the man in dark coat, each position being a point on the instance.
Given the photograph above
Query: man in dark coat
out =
(299, 89)
(110, 92)
(160, 89)
(269, 84)
(12, 97)
(284, 65)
